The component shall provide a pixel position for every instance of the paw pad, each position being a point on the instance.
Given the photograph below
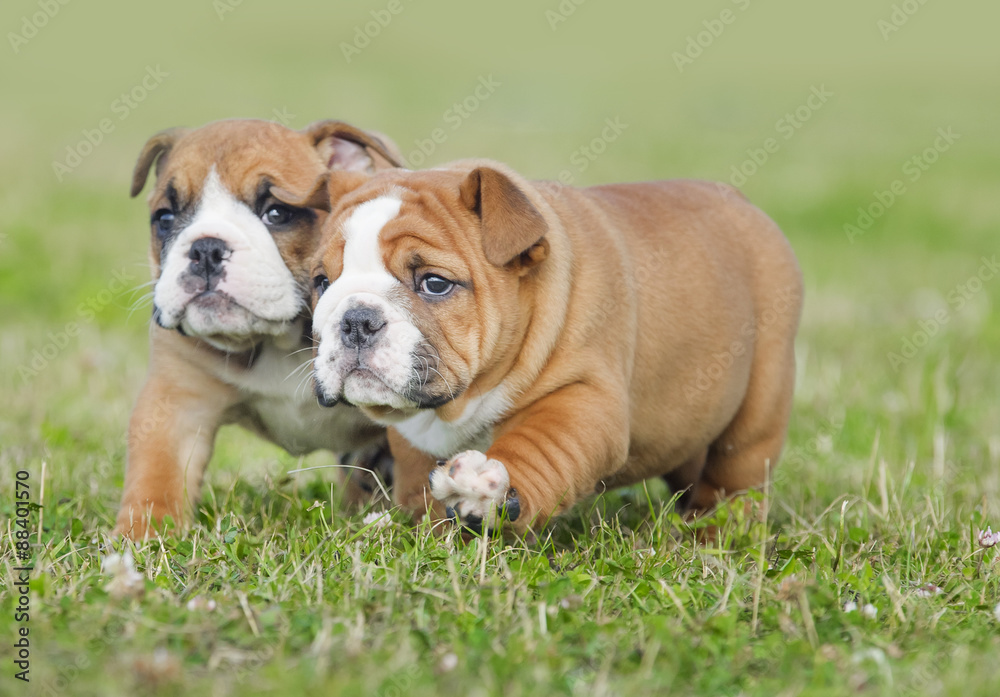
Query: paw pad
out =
(475, 490)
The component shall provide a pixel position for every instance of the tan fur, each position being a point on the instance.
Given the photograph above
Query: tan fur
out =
(601, 331)
(189, 391)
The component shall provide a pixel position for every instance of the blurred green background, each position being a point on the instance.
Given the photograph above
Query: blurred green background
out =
(697, 89)
(893, 74)
(560, 76)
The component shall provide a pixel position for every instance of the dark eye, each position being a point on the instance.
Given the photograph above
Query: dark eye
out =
(432, 284)
(278, 215)
(163, 221)
(321, 283)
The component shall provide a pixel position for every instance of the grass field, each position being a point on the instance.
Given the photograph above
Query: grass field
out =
(866, 576)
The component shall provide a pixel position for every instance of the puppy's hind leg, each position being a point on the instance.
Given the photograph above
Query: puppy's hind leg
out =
(683, 479)
(743, 456)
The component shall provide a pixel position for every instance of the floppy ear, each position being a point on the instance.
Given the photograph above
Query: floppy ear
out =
(344, 147)
(156, 148)
(318, 197)
(513, 229)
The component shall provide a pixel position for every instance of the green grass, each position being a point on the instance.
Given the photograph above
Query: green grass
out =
(888, 474)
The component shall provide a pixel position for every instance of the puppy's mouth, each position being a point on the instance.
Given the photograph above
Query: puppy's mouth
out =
(364, 385)
(366, 388)
(192, 314)
(221, 320)
(214, 300)
(373, 356)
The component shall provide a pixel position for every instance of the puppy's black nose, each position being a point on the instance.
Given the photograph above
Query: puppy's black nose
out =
(360, 327)
(207, 255)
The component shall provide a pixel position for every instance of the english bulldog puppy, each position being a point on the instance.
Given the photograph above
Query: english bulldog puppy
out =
(236, 215)
(530, 344)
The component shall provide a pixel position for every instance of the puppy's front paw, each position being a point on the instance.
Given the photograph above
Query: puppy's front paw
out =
(476, 490)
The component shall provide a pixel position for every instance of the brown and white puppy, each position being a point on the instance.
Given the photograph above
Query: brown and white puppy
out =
(236, 215)
(548, 342)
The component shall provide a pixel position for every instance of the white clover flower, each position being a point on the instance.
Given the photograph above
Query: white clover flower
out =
(125, 582)
(988, 538)
(928, 590)
(850, 606)
(996, 612)
(448, 663)
(200, 604)
(869, 611)
(381, 519)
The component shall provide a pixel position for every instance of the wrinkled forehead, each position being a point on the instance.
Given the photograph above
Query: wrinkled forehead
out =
(425, 203)
(361, 224)
(245, 160)
(397, 229)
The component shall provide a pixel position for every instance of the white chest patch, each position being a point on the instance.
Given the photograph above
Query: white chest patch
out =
(473, 430)
(278, 392)
(278, 370)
